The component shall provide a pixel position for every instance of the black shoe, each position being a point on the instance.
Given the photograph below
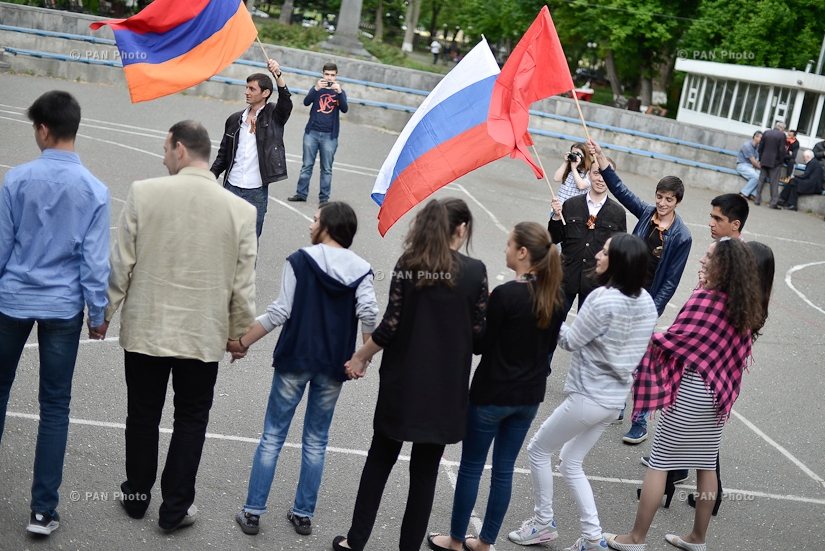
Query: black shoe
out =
(297, 199)
(336, 544)
(303, 525)
(322, 203)
(132, 503)
(43, 523)
(791, 207)
(248, 522)
(776, 207)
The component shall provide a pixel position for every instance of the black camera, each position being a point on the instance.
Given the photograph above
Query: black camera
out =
(329, 84)
(574, 156)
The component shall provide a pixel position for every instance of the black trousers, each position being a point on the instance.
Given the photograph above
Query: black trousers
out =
(147, 378)
(382, 456)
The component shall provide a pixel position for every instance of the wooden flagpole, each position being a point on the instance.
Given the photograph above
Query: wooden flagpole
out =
(267, 57)
(546, 178)
(581, 116)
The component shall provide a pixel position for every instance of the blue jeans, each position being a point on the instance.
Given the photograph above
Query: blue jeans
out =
(257, 197)
(313, 142)
(287, 391)
(508, 425)
(749, 173)
(58, 342)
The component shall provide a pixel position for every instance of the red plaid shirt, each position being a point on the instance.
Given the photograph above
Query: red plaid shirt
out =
(703, 339)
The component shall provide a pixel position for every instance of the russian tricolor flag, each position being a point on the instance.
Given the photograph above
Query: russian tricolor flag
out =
(172, 45)
(445, 139)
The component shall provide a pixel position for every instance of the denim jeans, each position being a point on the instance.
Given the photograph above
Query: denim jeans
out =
(287, 391)
(507, 425)
(314, 142)
(58, 341)
(257, 197)
(749, 173)
(147, 379)
(574, 427)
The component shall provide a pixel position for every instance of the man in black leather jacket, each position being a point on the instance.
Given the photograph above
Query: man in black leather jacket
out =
(252, 149)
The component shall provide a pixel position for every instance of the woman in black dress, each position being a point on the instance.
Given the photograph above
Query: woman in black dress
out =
(438, 299)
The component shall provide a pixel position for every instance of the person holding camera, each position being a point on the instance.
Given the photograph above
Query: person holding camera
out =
(321, 132)
(574, 172)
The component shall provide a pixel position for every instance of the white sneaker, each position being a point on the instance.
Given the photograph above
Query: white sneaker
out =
(584, 544)
(532, 532)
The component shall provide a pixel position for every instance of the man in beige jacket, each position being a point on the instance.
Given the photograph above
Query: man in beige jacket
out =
(183, 266)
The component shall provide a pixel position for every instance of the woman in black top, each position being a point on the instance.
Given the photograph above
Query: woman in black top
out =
(438, 300)
(523, 320)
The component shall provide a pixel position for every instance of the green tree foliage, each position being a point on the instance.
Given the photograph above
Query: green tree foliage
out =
(771, 33)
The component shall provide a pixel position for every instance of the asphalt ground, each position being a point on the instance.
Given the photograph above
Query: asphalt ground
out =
(772, 460)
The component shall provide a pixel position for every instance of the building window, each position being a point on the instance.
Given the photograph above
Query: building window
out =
(710, 86)
(721, 86)
(694, 85)
(806, 118)
(739, 105)
(759, 110)
(730, 86)
(820, 131)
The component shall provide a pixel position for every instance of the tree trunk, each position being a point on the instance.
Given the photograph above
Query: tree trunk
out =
(379, 22)
(286, 12)
(411, 22)
(613, 76)
(434, 20)
(645, 87)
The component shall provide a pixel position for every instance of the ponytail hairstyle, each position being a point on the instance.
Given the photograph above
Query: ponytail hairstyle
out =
(546, 265)
(584, 165)
(427, 246)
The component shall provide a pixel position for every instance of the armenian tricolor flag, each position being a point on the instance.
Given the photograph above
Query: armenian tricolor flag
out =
(172, 44)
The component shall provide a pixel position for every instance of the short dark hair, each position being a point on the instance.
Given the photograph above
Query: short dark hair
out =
(340, 221)
(59, 112)
(263, 81)
(792, 132)
(611, 161)
(734, 206)
(757, 133)
(627, 264)
(194, 138)
(330, 67)
(674, 185)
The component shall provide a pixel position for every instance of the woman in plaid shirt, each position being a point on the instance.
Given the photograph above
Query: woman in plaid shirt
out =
(694, 372)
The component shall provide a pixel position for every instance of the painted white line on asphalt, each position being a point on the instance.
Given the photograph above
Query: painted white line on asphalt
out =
(498, 224)
(749, 236)
(446, 463)
(789, 283)
(290, 207)
(781, 449)
(6, 166)
(82, 341)
(123, 145)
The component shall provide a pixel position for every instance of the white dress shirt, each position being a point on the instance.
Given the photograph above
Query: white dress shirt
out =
(246, 172)
(594, 208)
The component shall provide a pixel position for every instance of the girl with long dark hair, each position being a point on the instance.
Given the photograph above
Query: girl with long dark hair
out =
(438, 300)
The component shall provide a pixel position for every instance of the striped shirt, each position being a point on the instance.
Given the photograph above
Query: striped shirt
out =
(569, 188)
(608, 339)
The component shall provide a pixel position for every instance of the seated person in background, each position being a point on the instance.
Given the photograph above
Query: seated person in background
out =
(819, 153)
(806, 184)
(747, 165)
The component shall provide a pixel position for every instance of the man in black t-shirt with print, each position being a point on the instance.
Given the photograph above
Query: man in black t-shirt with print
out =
(321, 132)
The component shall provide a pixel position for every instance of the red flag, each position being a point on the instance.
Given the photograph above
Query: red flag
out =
(536, 69)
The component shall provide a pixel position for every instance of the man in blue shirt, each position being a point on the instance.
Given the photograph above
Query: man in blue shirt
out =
(321, 132)
(54, 260)
(747, 165)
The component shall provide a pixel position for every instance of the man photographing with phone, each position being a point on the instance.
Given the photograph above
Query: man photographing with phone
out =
(321, 132)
